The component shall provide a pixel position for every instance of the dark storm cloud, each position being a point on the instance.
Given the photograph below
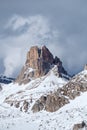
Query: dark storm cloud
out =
(67, 19)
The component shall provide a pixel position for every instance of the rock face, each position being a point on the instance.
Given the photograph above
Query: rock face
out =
(80, 126)
(40, 60)
(50, 103)
(38, 63)
(22, 105)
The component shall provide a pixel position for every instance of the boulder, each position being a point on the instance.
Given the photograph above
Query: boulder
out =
(25, 106)
(38, 106)
(17, 104)
(80, 126)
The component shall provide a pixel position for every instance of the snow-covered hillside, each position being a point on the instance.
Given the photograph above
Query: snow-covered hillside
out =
(63, 119)
(33, 90)
(12, 118)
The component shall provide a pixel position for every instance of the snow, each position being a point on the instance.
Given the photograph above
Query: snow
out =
(35, 88)
(63, 119)
(13, 119)
(29, 70)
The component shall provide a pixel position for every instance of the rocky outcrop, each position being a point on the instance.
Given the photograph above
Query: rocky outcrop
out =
(70, 91)
(22, 105)
(38, 63)
(80, 126)
(50, 103)
(25, 106)
(40, 60)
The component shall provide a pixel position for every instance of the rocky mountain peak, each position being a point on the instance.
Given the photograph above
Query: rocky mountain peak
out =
(38, 63)
(37, 55)
(39, 59)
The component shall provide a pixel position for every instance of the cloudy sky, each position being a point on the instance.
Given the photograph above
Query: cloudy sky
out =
(61, 25)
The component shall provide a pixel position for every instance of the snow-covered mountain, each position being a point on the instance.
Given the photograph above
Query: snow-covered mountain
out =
(11, 118)
(15, 100)
(17, 95)
(44, 100)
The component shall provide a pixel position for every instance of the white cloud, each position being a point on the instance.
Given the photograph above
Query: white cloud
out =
(12, 60)
(15, 22)
(15, 47)
(39, 31)
(35, 22)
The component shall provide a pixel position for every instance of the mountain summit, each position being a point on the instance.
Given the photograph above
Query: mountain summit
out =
(38, 63)
(60, 104)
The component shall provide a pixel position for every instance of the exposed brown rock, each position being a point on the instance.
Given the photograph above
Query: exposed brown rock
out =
(80, 126)
(54, 102)
(50, 103)
(39, 62)
(25, 106)
(38, 106)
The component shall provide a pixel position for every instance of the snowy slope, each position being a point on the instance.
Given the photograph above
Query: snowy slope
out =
(12, 118)
(34, 89)
(63, 119)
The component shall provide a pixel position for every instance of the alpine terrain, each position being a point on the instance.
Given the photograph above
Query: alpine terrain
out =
(44, 96)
